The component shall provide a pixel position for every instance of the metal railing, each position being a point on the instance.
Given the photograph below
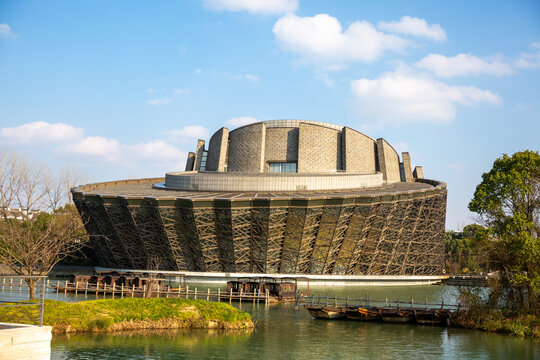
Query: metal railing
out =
(14, 293)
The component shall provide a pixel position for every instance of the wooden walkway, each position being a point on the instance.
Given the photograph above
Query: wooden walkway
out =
(64, 287)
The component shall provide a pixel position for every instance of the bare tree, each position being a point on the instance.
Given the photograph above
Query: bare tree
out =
(57, 186)
(31, 190)
(35, 246)
(10, 180)
(154, 264)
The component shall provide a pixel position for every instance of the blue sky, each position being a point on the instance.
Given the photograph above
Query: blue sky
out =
(123, 89)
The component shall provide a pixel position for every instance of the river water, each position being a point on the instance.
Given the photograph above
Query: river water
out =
(285, 333)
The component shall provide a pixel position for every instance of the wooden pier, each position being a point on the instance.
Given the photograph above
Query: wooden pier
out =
(165, 291)
(366, 309)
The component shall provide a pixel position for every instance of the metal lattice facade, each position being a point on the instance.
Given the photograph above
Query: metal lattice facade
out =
(399, 233)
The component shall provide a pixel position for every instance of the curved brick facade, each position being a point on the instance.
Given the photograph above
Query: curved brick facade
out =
(395, 230)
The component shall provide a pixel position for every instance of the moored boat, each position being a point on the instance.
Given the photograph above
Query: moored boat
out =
(325, 312)
(362, 314)
(433, 317)
(397, 315)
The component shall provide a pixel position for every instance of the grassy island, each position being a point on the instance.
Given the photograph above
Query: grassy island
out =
(131, 314)
(497, 321)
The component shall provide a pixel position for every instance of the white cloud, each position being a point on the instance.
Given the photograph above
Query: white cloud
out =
(461, 65)
(5, 31)
(254, 6)
(241, 121)
(414, 26)
(528, 60)
(180, 92)
(39, 132)
(97, 146)
(252, 78)
(152, 150)
(321, 39)
(157, 102)
(188, 133)
(401, 97)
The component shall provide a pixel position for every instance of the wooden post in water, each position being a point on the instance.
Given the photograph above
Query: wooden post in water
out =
(122, 291)
(195, 293)
(113, 289)
(144, 290)
(20, 286)
(240, 296)
(208, 295)
(179, 289)
(11, 284)
(97, 288)
(132, 290)
(157, 289)
(65, 287)
(168, 291)
(266, 297)
(187, 292)
(4, 283)
(412, 302)
(219, 294)
(76, 287)
(230, 296)
(86, 289)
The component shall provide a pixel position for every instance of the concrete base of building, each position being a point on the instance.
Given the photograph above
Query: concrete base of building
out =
(219, 278)
(29, 342)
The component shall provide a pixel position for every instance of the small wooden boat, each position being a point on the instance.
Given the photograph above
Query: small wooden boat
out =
(397, 315)
(433, 317)
(324, 312)
(362, 314)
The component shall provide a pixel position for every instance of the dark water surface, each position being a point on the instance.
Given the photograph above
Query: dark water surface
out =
(283, 333)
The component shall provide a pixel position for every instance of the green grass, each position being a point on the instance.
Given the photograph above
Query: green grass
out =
(495, 321)
(130, 313)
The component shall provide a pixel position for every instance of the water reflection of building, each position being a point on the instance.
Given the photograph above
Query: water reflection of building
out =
(282, 196)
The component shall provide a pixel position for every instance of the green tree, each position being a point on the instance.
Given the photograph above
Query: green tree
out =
(508, 200)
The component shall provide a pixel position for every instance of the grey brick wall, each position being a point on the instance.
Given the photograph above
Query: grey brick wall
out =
(199, 154)
(388, 161)
(358, 152)
(246, 149)
(217, 150)
(408, 177)
(281, 145)
(319, 149)
(190, 161)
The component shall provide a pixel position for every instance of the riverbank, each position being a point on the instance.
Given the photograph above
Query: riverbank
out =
(497, 321)
(131, 314)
